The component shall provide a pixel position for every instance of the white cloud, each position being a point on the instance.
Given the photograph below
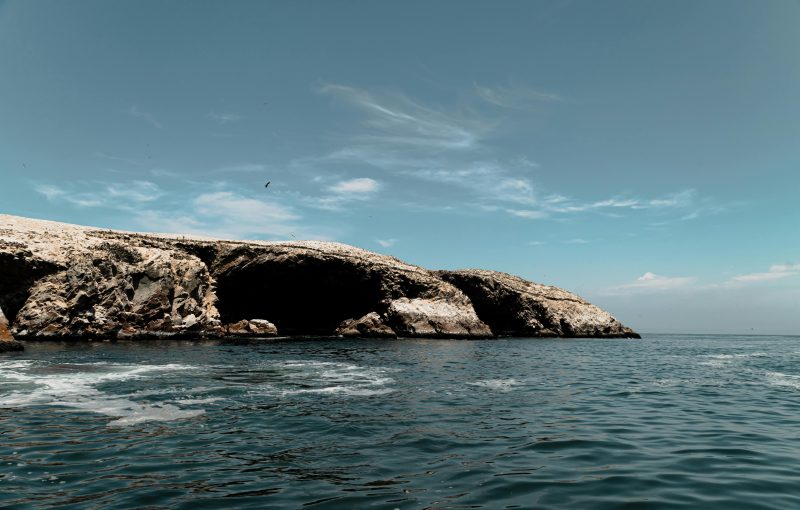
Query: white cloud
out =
(134, 111)
(386, 243)
(224, 118)
(579, 240)
(537, 243)
(227, 215)
(651, 282)
(49, 191)
(362, 185)
(776, 272)
(524, 213)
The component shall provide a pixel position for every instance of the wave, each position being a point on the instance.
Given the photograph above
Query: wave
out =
(74, 386)
(297, 377)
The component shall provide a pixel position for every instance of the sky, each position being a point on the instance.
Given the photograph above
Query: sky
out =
(643, 154)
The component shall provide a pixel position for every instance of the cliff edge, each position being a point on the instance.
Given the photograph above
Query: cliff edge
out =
(68, 281)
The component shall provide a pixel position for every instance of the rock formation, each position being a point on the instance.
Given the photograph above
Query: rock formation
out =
(7, 342)
(68, 281)
(513, 306)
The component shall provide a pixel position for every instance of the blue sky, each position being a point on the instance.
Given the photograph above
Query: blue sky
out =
(642, 154)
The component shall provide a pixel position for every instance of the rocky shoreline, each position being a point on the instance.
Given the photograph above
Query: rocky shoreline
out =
(61, 281)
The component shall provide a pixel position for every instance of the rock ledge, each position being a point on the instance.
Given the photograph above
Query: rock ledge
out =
(65, 281)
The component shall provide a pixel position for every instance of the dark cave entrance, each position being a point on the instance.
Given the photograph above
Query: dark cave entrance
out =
(301, 297)
(17, 276)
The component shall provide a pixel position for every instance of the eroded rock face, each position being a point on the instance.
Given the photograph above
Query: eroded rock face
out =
(116, 290)
(68, 281)
(7, 342)
(513, 306)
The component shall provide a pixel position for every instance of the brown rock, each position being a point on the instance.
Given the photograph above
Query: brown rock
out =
(5, 334)
(261, 327)
(371, 325)
(253, 327)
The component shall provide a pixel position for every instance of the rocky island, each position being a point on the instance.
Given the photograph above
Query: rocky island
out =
(61, 281)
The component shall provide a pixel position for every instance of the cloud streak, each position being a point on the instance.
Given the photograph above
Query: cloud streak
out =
(134, 111)
(651, 282)
(224, 118)
(776, 272)
(514, 96)
(396, 120)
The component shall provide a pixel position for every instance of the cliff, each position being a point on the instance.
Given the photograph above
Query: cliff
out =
(68, 281)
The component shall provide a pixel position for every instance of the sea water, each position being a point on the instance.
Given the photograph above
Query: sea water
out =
(662, 422)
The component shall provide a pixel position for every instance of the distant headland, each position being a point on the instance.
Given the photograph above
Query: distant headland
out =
(62, 281)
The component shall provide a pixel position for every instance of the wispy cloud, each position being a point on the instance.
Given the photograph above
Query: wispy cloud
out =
(579, 240)
(562, 204)
(452, 145)
(386, 243)
(221, 213)
(225, 118)
(487, 179)
(514, 96)
(528, 214)
(776, 272)
(116, 195)
(136, 191)
(134, 111)
(395, 119)
(227, 215)
(651, 282)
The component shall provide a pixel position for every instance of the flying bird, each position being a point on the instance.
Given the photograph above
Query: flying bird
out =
(267, 184)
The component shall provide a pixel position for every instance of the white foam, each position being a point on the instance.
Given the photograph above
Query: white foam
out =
(786, 380)
(195, 401)
(497, 384)
(719, 360)
(331, 378)
(74, 386)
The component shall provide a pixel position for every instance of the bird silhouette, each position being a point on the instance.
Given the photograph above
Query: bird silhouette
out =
(267, 184)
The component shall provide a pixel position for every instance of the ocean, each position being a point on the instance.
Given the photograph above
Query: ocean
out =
(668, 421)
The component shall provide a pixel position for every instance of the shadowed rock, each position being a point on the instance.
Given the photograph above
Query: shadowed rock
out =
(513, 306)
(68, 281)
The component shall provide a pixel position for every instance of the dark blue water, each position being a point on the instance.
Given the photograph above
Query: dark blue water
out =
(663, 422)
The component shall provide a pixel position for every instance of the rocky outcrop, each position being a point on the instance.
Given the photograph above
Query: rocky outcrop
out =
(513, 306)
(7, 342)
(68, 281)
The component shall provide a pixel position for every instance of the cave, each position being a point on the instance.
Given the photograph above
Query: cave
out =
(304, 296)
(17, 276)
